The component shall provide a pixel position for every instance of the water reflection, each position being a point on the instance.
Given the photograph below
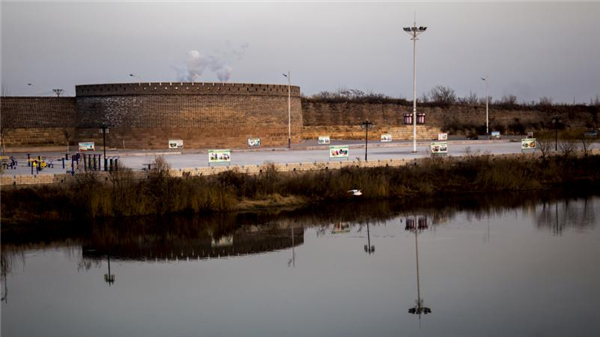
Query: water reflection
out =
(178, 242)
(559, 215)
(421, 225)
(370, 249)
(182, 275)
(225, 235)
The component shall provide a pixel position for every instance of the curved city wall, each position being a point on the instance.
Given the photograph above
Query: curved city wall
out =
(203, 115)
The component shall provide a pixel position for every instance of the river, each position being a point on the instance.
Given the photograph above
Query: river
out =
(501, 265)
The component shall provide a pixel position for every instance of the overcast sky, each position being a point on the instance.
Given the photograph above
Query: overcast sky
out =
(529, 50)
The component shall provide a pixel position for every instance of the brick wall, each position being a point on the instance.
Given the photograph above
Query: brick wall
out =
(203, 115)
(344, 118)
(37, 121)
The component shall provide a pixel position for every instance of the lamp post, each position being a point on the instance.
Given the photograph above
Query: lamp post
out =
(104, 127)
(487, 118)
(415, 31)
(137, 78)
(366, 125)
(555, 121)
(289, 78)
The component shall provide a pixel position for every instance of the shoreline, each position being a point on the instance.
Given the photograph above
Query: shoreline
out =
(122, 195)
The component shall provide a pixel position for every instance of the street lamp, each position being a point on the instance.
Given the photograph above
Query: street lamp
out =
(487, 118)
(289, 78)
(366, 125)
(415, 31)
(137, 78)
(556, 121)
(104, 127)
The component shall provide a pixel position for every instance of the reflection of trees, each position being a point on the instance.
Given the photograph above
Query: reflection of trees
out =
(267, 231)
(561, 215)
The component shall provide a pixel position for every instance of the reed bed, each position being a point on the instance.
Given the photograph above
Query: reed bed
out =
(160, 194)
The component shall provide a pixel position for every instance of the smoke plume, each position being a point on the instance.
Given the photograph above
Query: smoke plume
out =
(218, 62)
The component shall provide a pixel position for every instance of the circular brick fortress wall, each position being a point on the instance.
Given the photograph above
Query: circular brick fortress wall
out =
(203, 115)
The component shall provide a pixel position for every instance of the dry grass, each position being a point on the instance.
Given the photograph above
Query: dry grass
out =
(162, 194)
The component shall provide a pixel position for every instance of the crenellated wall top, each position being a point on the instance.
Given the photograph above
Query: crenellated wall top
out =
(184, 88)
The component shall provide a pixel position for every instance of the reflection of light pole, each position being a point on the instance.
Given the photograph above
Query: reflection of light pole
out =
(366, 125)
(415, 31)
(487, 118)
(293, 260)
(289, 78)
(368, 248)
(419, 308)
(109, 278)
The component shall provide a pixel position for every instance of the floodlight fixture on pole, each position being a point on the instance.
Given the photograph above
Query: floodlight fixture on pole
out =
(137, 78)
(57, 92)
(415, 31)
(487, 108)
(289, 78)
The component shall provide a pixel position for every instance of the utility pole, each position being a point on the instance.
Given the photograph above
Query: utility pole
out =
(415, 31)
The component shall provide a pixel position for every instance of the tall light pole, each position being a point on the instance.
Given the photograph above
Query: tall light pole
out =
(289, 78)
(487, 108)
(415, 31)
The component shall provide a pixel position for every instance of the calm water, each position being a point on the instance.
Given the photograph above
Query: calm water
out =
(510, 267)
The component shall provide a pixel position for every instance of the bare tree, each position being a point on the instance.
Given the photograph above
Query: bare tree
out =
(546, 101)
(545, 146)
(568, 147)
(471, 98)
(508, 100)
(482, 100)
(586, 143)
(442, 94)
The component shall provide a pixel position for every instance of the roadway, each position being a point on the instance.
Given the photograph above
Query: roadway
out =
(303, 153)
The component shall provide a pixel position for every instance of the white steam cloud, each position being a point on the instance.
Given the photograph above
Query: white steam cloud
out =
(218, 62)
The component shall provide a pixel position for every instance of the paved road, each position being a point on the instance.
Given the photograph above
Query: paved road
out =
(308, 153)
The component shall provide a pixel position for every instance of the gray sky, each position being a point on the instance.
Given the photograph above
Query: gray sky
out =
(529, 50)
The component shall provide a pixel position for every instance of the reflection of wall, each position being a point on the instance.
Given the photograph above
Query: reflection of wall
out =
(182, 247)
